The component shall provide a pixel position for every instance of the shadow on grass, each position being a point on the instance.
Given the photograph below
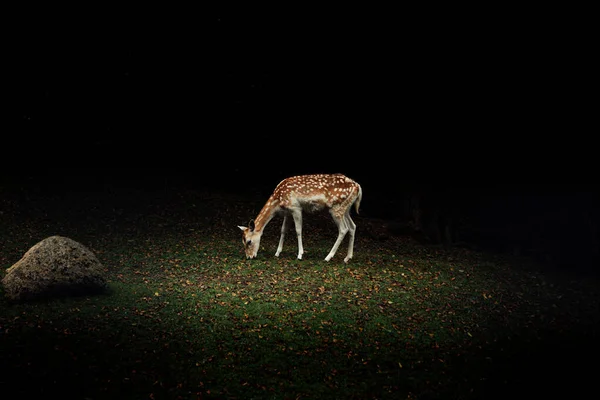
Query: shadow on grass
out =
(119, 360)
(58, 292)
(551, 365)
(117, 355)
(96, 359)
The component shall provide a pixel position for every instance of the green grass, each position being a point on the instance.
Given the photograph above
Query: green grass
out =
(187, 316)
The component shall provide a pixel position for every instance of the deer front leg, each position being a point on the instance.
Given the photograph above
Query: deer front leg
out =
(284, 228)
(297, 214)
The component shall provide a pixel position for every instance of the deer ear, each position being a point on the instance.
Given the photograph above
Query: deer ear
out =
(242, 227)
(251, 225)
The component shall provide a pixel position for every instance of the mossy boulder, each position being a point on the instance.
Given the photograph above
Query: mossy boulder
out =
(55, 267)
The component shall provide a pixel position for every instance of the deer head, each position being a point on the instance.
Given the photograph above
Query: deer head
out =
(251, 239)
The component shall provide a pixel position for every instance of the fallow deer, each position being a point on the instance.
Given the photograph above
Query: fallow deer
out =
(335, 192)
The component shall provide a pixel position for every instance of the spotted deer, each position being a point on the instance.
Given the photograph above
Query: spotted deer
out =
(293, 195)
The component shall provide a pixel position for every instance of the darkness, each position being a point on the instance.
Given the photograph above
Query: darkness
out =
(473, 111)
(472, 119)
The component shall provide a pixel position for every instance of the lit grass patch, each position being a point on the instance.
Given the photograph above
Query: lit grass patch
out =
(187, 316)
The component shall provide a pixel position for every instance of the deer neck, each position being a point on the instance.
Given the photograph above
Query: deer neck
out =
(266, 214)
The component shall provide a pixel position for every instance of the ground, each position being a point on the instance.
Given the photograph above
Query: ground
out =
(187, 316)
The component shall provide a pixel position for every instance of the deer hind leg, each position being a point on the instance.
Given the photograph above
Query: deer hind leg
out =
(351, 230)
(284, 228)
(343, 228)
(297, 214)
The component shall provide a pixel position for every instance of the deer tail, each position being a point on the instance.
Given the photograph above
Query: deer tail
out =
(358, 199)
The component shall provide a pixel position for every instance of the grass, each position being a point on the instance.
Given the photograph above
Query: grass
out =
(187, 316)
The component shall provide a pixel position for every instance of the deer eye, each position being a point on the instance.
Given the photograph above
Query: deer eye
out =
(248, 242)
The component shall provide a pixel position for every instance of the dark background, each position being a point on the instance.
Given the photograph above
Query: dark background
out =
(473, 114)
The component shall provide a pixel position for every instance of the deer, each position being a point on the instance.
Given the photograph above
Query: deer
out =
(309, 193)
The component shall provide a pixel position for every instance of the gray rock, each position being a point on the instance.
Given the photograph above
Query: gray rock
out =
(57, 266)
